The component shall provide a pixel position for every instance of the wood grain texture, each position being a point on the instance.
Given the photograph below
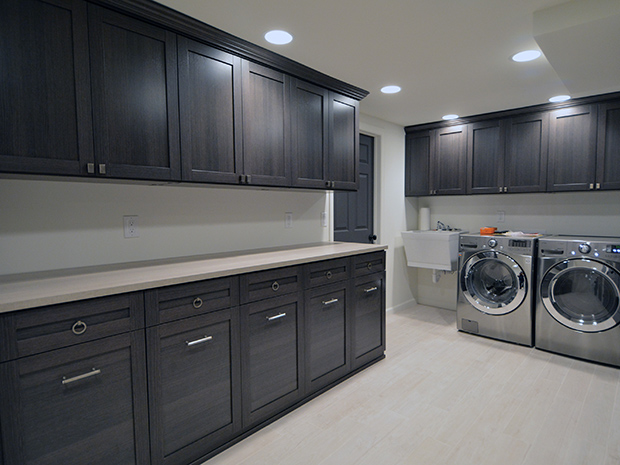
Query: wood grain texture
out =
(45, 107)
(418, 149)
(449, 161)
(608, 146)
(572, 148)
(485, 157)
(135, 96)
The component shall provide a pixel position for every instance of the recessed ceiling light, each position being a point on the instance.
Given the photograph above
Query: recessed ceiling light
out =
(278, 37)
(559, 98)
(449, 117)
(390, 89)
(527, 55)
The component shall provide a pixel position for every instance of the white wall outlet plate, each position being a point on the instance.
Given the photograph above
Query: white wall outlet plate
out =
(130, 226)
(288, 220)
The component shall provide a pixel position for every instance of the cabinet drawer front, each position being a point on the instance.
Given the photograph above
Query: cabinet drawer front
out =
(63, 325)
(368, 263)
(271, 283)
(271, 368)
(369, 317)
(195, 380)
(75, 405)
(326, 331)
(327, 271)
(186, 300)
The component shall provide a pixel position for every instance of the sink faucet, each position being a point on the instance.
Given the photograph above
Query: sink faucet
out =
(440, 226)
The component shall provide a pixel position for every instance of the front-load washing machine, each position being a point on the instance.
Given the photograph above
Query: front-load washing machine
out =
(578, 303)
(496, 286)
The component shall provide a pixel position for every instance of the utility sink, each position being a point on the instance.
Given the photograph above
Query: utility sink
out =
(434, 249)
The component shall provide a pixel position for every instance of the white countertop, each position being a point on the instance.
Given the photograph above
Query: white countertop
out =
(31, 290)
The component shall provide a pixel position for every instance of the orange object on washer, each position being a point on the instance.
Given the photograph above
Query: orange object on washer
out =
(487, 231)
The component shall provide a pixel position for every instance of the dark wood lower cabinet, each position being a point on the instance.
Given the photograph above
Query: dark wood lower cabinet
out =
(368, 327)
(78, 405)
(204, 373)
(271, 356)
(327, 340)
(194, 396)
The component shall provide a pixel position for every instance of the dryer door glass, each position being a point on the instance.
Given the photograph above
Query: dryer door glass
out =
(582, 294)
(493, 283)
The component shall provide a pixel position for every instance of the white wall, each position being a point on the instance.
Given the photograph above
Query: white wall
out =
(574, 213)
(56, 224)
(392, 212)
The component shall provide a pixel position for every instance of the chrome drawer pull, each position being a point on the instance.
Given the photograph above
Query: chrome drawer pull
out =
(276, 317)
(198, 341)
(328, 275)
(66, 381)
(329, 302)
(197, 303)
(371, 289)
(79, 327)
(275, 286)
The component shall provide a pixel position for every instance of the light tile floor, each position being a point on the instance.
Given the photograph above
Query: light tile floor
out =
(444, 397)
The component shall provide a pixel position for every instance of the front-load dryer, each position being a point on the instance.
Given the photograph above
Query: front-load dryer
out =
(496, 284)
(578, 303)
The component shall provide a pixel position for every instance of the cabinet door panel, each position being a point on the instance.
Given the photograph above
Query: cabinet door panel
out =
(271, 356)
(209, 93)
(135, 97)
(572, 148)
(45, 115)
(368, 319)
(327, 335)
(608, 148)
(310, 105)
(485, 158)
(266, 152)
(418, 149)
(193, 386)
(77, 405)
(344, 142)
(449, 163)
(526, 153)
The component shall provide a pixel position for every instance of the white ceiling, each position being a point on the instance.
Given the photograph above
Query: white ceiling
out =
(449, 56)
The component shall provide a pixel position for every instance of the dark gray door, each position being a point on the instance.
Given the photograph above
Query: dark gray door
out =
(353, 211)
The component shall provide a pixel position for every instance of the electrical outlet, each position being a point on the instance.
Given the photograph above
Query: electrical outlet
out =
(288, 220)
(324, 219)
(501, 216)
(130, 226)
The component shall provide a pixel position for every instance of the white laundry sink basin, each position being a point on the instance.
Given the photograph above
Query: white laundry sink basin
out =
(434, 249)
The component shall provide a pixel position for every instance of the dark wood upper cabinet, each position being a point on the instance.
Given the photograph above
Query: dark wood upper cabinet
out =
(608, 147)
(418, 149)
(135, 97)
(485, 157)
(448, 167)
(309, 125)
(572, 148)
(45, 114)
(266, 131)
(210, 112)
(526, 153)
(343, 161)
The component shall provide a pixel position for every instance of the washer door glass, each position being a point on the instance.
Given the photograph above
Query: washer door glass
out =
(582, 294)
(493, 282)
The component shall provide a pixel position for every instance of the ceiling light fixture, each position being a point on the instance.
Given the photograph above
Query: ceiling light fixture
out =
(390, 89)
(278, 37)
(559, 98)
(449, 117)
(526, 55)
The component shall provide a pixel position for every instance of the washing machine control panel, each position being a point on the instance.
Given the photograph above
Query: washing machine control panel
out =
(492, 242)
(612, 249)
(584, 248)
